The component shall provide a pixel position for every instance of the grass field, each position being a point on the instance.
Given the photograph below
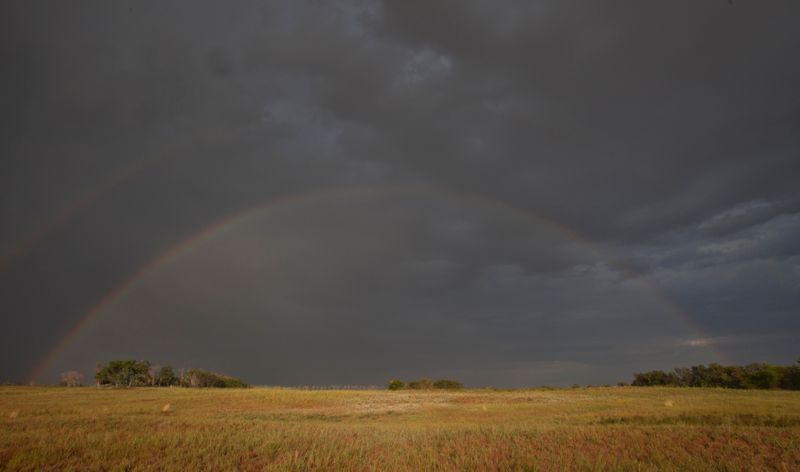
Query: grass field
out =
(618, 428)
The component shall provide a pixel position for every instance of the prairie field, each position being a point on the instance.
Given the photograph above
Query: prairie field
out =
(614, 428)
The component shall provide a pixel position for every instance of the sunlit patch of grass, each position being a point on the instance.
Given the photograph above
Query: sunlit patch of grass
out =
(282, 429)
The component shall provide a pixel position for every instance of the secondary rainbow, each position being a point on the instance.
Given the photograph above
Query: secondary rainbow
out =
(27, 242)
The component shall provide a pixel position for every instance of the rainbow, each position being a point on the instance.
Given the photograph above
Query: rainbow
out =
(243, 214)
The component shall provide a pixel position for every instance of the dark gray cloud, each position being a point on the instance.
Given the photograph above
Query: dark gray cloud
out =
(663, 133)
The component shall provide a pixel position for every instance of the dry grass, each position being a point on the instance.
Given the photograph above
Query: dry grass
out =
(280, 429)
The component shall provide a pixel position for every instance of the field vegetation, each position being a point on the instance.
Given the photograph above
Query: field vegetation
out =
(614, 428)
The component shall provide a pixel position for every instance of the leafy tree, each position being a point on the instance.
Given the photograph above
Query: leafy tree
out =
(396, 385)
(166, 377)
(791, 378)
(132, 373)
(654, 377)
(753, 376)
(124, 373)
(762, 376)
(203, 378)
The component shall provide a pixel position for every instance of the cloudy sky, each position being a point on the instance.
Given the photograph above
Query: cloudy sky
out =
(507, 193)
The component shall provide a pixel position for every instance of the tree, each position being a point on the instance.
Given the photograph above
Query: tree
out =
(132, 373)
(752, 376)
(124, 373)
(396, 385)
(71, 378)
(654, 377)
(166, 377)
(791, 378)
(203, 378)
(762, 376)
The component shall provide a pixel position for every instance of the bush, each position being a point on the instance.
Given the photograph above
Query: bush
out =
(203, 378)
(421, 384)
(448, 384)
(427, 384)
(396, 385)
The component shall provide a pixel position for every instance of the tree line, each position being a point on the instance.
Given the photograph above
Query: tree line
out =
(751, 376)
(133, 373)
(426, 384)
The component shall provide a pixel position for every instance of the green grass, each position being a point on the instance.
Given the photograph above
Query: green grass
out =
(618, 428)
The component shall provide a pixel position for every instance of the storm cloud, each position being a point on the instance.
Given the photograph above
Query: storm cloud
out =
(513, 193)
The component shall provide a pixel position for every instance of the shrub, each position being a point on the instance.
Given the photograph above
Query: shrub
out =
(425, 383)
(421, 384)
(203, 378)
(448, 384)
(396, 384)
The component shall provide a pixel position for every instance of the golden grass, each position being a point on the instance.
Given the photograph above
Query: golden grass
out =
(615, 428)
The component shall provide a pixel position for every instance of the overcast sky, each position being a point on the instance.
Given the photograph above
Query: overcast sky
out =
(507, 193)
